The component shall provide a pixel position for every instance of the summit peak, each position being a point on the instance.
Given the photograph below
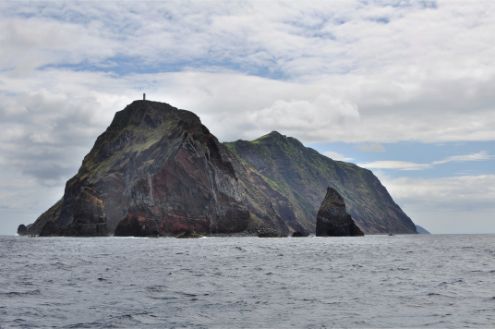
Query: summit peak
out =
(274, 135)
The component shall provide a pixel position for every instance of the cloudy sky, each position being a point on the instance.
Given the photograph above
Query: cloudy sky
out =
(404, 88)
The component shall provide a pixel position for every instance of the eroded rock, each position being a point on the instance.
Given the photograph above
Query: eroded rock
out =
(333, 219)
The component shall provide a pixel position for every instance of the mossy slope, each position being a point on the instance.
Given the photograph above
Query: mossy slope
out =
(302, 175)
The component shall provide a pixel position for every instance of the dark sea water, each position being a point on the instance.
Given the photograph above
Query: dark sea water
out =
(376, 281)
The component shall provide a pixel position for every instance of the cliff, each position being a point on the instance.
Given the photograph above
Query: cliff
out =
(157, 170)
(302, 176)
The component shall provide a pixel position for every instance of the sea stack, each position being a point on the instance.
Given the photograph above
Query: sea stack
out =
(333, 219)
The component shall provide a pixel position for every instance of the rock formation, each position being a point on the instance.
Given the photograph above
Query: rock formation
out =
(157, 170)
(333, 219)
(22, 230)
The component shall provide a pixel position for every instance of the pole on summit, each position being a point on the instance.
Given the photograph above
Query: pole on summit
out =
(144, 96)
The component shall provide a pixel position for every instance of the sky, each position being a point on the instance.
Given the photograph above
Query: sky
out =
(404, 88)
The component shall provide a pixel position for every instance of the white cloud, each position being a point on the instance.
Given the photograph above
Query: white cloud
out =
(407, 165)
(479, 156)
(31, 43)
(337, 156)
(448, 192)
(458, 204)
(312, 116)
(371, 147)
(400, 165)
(298, 41)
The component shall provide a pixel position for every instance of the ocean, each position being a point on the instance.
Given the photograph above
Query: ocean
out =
(402, 281)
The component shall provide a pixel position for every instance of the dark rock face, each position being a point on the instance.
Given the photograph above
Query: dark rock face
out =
(333, 219)
(22, 230)
(135, 226)
(157, 170)
(188, 235)
(298, 234)
(267, 232)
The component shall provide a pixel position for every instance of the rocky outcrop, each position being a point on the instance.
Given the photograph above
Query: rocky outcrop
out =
(157, 170)
(333, 219)
(22, 229)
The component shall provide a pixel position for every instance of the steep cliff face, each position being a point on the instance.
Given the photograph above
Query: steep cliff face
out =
(302, 176)
(333, 219)
(157, 170)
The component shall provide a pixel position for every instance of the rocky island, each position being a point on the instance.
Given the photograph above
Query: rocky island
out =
(158, 171)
